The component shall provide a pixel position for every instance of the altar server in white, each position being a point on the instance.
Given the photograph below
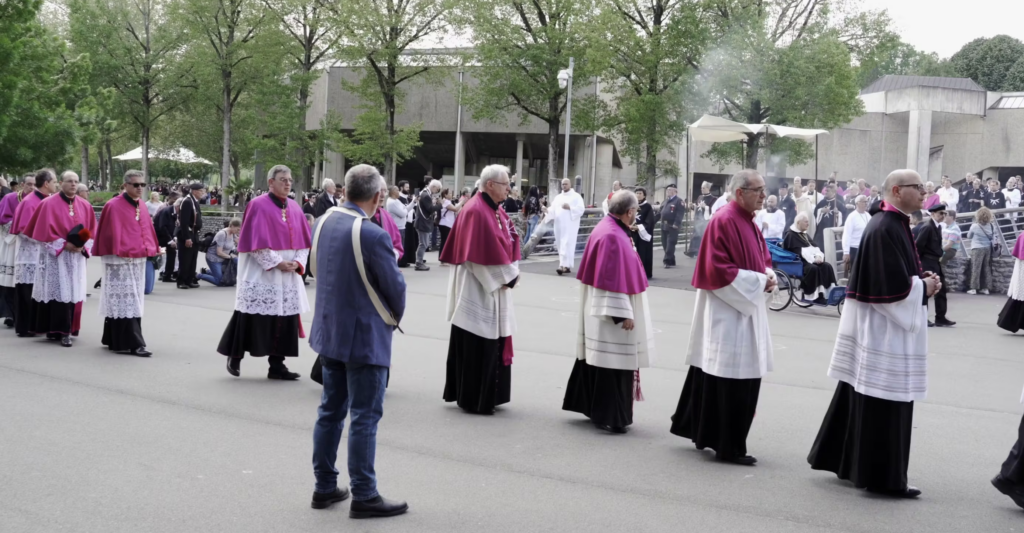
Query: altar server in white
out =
(566, 210)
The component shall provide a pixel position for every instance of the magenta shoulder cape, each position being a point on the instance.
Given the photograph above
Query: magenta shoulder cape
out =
(121, 235)
(477, 238)
(388, 224)
(8, 204)
(23, 213)
(264, 227)
(731, 243)
(53, 219)
(1018, 249)
(610, 262)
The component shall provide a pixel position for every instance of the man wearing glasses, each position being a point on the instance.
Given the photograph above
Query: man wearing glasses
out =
(124, 240)
(865, 437)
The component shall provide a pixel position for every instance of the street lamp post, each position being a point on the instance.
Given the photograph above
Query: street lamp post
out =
(564, 81)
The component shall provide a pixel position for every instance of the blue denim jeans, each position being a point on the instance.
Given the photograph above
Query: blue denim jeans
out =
(530, 226)
(355, 389)
(150, 277)
(216, 273)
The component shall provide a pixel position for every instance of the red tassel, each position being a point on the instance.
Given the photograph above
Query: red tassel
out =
(638, 394)
(85, 234)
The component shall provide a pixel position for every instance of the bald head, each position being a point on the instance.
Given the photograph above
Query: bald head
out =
(897, 178)
(904, 189)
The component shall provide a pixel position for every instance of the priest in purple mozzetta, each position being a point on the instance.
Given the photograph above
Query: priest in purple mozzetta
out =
(125, 240)
(730, 345)
(26, 255)
(483, 249)
(616, 337)
(8, 204)
(273, 248)
(64, 225)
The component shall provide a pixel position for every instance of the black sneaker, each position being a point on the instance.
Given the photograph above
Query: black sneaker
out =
(376, 508)
(282, 373)
(323, 500)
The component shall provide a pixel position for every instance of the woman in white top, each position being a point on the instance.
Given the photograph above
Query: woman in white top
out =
(853, 230)
(448, 212)
(154, 204)
(397, 210)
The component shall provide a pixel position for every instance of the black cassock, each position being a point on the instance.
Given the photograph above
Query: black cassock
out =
(700, 222)
(646, 216)
(815, 275)
(828, 214)
(866, 439)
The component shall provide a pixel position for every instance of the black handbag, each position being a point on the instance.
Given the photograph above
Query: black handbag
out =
(229, 273)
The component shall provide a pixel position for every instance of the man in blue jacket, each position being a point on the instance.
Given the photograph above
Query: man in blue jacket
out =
(352, 331)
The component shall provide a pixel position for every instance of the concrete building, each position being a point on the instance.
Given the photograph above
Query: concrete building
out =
(939, 126)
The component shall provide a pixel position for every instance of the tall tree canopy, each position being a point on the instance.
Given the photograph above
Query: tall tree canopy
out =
(991, 61)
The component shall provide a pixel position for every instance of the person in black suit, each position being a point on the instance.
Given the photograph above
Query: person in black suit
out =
(928, 238)
(646, 217)
(166, 224)
(672, 213)
(326, 199)
(190, 223)
(786, 204)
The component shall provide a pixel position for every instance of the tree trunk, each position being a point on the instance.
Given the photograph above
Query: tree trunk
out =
(650, 166)
(752, 151)
(110, 161)
(553, 188)
(101, 162)
(306, 183)
(225, 154)
(389, 159)
(145, 152)
(85, 164)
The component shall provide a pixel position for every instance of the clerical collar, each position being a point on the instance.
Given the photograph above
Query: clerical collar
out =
(277, 201)
(621, 225)
(65, 198)
(39, 194)
(490, 202)
(135, 203)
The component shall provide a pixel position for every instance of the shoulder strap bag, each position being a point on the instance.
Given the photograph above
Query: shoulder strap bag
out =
(357, 224)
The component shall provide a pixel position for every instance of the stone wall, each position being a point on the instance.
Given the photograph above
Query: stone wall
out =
(958, 274)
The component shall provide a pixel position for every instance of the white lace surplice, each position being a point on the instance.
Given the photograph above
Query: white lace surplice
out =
(476, 301)
(1016, 288)
(602, 342)
(26, 259)
(7, 255)
(61, 274)
(124, 287)
(265, 290)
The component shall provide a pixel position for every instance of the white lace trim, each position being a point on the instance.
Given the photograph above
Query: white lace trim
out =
(267, 258)
(7, 251)
(60, 278)
(26, 260)
(124, 284)
(263, 291)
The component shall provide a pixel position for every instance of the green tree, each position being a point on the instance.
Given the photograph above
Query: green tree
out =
(900, 58)
(786, 62)
(378, 36)
(649, 54)
(134, 44)
(989, 61)
(523, 45)
(1014, 81)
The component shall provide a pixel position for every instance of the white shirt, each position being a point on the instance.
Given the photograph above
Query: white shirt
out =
(398, 211)
(853, 230)
(776, 223)
(719, 203)
(1012, 197)
(881, 350)
(949, 196)
(729, 337)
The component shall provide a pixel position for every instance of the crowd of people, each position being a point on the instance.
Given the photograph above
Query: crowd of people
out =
(358, 235)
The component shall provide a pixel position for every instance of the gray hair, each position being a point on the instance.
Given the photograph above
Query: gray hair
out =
(706, 185)
(235, 223)
(277, 169)
(622, 201)
(327, 183)
(435, 183)
(134, 174)
(491, 173)
(801, 216)
(82, 188)
(860, 198)
(362, 182)
(741, 179)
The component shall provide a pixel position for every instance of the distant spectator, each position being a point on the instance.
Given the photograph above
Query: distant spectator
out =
(154, 204)
(982, 236)
(224, 248)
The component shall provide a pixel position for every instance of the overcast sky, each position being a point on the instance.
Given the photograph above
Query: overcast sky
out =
(943, 26)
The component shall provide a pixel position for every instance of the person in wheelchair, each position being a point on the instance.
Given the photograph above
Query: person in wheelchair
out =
(819, 277)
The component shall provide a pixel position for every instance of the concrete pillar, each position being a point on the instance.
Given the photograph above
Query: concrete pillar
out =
(919, 141)
(519, 159)
(334, 167)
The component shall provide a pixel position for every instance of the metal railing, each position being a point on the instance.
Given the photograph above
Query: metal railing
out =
(542, 242)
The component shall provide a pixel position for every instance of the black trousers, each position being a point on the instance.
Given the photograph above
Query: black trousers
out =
(929, 264)
(1013, 467)
(445, 230)
(171, 257)
(187, 262)
(669, 238)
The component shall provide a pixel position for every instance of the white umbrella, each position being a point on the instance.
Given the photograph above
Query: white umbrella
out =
(181, 155)
(717, 129)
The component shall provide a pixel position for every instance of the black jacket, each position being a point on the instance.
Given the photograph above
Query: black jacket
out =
(164, 224)
(928, 239)
(788, 207)
(323, 202)
(673, 211)
(425, 212)
(190, 219)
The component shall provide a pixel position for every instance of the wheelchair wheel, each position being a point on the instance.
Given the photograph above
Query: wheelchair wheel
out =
(799, 298)
(840, 305)
(782, 295)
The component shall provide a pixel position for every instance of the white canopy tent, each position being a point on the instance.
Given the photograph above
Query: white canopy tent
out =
(717, 129)
(181, 155)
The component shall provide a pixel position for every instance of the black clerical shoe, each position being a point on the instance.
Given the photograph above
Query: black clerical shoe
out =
(612, 429)
(1007, 487)
(746, 460)
(820, 300)
(909, 493)
(282, 373)
(9, 322)
(931, 324)
(183, 286)
(376, 508)
(24, 335)
(140, 352)
(99, 283)
(193, 285)
(324, 500)
(944, 323)
(65, 341)
(233, 364)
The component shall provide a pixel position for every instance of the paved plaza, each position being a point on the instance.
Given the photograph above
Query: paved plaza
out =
(91, 441)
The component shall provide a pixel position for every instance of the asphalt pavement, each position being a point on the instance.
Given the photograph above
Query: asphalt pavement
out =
(92, 441)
